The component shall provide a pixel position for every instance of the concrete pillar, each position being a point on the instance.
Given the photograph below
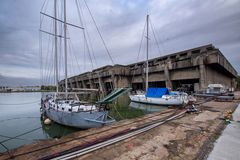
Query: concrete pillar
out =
(91, 83)
(233, 84)
(143, 77)
(114, 81)
(101, 85)
(83, 84)
(71, 84)
(77, 83)
(123, 82)
(202, 71)
(167, 76)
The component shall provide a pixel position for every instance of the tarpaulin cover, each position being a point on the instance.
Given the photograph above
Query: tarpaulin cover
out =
(156, 92)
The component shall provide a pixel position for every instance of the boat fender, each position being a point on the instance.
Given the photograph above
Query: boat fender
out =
(47, 121)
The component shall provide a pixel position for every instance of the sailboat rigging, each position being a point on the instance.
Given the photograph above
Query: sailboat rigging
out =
(157, 96)
(65, 107)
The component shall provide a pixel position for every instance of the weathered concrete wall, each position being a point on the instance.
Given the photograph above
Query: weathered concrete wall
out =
(214, 76)
(187, 73)
(187, 67)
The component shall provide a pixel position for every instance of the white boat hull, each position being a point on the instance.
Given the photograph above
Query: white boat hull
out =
(157, 101)
(82, 120)
(79, 116)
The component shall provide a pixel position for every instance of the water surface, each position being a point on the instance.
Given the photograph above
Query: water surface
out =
(20, 121)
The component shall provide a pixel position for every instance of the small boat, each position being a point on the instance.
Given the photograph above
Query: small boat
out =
(161, 96)
(158, 96)
(216, 89)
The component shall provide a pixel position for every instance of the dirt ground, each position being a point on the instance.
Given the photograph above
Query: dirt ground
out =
(190, 137)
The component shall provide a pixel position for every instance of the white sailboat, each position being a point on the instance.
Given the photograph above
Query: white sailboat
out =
(158, 96)
(65, 107)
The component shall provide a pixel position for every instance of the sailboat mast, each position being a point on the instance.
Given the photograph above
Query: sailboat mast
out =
(65, 46)
(56, 54)
(147, 54)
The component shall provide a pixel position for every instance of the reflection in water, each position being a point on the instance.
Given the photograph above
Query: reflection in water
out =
(55, 130)
(120, 109)
(14, 108)
(146, 107)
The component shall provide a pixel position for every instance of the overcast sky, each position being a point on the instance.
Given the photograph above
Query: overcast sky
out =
(178, 25)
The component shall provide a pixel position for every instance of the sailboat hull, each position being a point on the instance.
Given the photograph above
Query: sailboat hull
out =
(84, 119)
(156, 101)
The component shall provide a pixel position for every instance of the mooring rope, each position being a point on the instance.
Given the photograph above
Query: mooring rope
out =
(5, 147)
(91, 134)
(114, 106)
(21, 134)
(20, 103)
(23, 139)
(9, 119)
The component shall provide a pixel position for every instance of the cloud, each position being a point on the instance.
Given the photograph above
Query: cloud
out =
(178, 25)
